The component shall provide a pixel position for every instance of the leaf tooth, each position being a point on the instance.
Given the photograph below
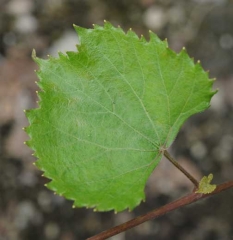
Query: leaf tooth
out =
(82, 33)
(199, 67)
(154, 37)
(142, 39)
(119, 29)
(76, 28)
(131, 33)
(212, 93)
(170, 52)
(35, 154)
(51, 186)
(71, 55)
(212, 80)
(183, 53)
(37, 60)
(37, 164)
(40, 101)
(34, 53)
(62, 55)
(165, 42)
(186, 58)
(207, 72)
(96, 26)
(27, 129)
(29, 143)
(107, 25)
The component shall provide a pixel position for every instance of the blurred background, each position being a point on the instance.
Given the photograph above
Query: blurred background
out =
(205, 143)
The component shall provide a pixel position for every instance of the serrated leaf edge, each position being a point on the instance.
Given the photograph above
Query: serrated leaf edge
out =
(107, 25)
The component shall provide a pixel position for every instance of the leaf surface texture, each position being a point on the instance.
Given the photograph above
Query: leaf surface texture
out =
(107, 110)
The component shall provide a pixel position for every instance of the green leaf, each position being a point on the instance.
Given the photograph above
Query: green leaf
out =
(107, 111)
(204, 185)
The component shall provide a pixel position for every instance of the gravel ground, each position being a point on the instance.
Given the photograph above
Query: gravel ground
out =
(205, 143)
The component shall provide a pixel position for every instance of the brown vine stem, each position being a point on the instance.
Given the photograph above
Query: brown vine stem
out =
(177, 165)
(191, 198)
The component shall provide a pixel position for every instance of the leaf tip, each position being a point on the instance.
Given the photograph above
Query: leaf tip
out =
(108, 25)
(166, 43)
(153, 37)
(142, 38)
(33, 53)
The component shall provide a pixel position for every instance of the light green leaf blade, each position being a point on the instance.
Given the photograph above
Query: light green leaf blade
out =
(205, 185)
(107, 110)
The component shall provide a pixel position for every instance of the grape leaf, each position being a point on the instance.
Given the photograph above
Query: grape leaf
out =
(107, 111)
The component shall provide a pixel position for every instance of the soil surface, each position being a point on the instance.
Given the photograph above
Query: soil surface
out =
(204, 145)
